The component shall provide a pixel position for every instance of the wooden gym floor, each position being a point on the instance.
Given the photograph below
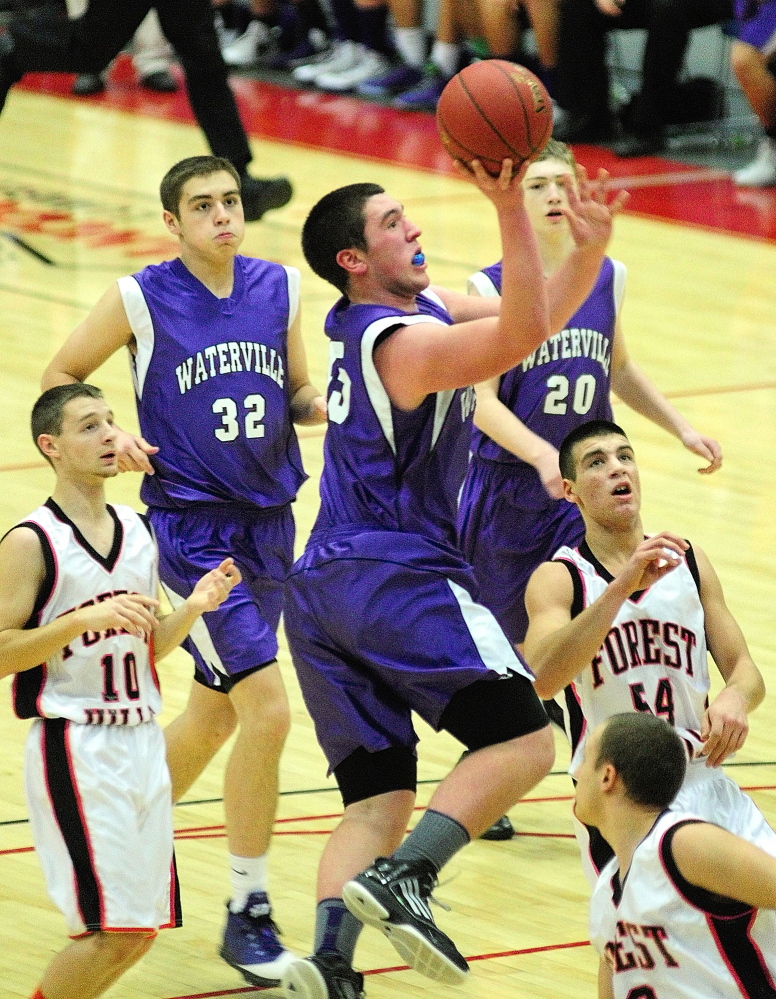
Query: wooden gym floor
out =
(78, 208)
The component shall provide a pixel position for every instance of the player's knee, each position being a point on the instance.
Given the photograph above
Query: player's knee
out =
(490, 712)
(744, 60)
(120, 950)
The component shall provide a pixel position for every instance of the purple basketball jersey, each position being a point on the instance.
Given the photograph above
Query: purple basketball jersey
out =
(566, 381)
(386, 469)
(212, 385)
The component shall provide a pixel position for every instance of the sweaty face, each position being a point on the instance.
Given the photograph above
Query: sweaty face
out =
(545, 185)
(210, 215)
(392, 245)
(607, 486)
(86, 443)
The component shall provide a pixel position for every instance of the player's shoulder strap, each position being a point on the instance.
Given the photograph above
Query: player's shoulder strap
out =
(578, 602)
(692, 565)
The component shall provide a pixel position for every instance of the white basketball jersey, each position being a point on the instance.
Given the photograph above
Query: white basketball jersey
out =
(654, 657)
(667, 939)
(99, 678)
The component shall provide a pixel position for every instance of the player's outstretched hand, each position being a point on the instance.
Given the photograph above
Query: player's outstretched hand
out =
(706, 447)
(506, 190)
(131, 612)
(725, 726)
(214, 587)
(653, 559)
(590, 214)
(133, 453)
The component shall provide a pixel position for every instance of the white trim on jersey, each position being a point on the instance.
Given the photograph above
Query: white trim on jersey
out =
(381, 403)
(294, 284)
(494, 647)
(441, 409)
(200, 637)
(139, 318)
(620, 272)
(482, 283)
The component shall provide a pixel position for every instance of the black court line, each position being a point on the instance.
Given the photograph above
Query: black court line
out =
(24, 245)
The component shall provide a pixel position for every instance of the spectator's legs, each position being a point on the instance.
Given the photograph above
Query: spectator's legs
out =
(756, 76)
(582, 77)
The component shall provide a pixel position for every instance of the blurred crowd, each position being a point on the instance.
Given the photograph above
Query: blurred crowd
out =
(403, 52)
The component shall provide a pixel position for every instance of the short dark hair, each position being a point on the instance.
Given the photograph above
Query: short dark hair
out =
(336, 223)
(48, 410)
(194, 166)
(593, 428)
(648, 755)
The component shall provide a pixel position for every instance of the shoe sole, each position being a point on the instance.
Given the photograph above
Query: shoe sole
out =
(304, 981)
(413, 947)
(281, 195)
(249, 976)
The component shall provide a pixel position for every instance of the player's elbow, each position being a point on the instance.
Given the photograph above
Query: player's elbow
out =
(53, 376)
(545, 685)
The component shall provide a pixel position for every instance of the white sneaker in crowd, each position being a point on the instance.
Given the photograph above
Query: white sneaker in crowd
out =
(368, 64)
(342, 55)
(761, 172)
(242, 51)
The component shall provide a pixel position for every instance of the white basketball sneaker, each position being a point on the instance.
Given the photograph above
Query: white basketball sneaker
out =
(341, 56)
(369, 64)
(761, 172)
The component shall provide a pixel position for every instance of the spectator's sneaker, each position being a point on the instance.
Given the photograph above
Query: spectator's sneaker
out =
(368, 64)
(393, 896)
(87, 85)
(244, 49)
(251, 943)
(260, 196)
(425, 96)
(761, 172)
(501, 829)
(161, 82)
(395, 81)
(341, 56)
(322, 976)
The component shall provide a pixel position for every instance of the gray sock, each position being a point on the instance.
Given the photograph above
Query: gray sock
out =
(435, 838)
(336, 929)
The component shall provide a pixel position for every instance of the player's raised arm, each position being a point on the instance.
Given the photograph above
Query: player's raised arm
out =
(22, 573)
(423, 358)
(557, 646)
(590, 216)
(725, 721)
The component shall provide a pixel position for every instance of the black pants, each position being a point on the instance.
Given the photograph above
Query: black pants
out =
(582, 77)
(89, 43)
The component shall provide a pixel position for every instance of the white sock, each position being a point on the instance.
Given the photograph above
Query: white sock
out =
(249, 875)
(411, 44)
(445, 55)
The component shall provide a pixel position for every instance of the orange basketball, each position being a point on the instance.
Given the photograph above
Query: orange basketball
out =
(492, 110)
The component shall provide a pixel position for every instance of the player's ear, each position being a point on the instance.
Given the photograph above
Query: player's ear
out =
(351, 260)
(171, 222)
(569, 490)
(608, 777)
(48, 445)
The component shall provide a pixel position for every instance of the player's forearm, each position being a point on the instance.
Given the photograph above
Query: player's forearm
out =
(524, 316)
(174, 628)
(638, 392)
(557, 658)
(493, 418)
(23, 649)
(746, 680)
(571, 284)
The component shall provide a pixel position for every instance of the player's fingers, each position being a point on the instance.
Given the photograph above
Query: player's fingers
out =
(506, 174)
(619, 202)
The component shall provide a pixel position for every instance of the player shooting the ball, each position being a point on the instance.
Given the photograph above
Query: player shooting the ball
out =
(378, 610)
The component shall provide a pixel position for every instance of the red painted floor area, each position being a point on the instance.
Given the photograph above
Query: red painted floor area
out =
(660, 188)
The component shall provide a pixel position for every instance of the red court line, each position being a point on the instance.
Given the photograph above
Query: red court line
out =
(402, 967)
(18, 849)
(351, 127)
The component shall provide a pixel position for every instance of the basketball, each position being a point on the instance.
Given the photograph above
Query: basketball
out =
(492, 110)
